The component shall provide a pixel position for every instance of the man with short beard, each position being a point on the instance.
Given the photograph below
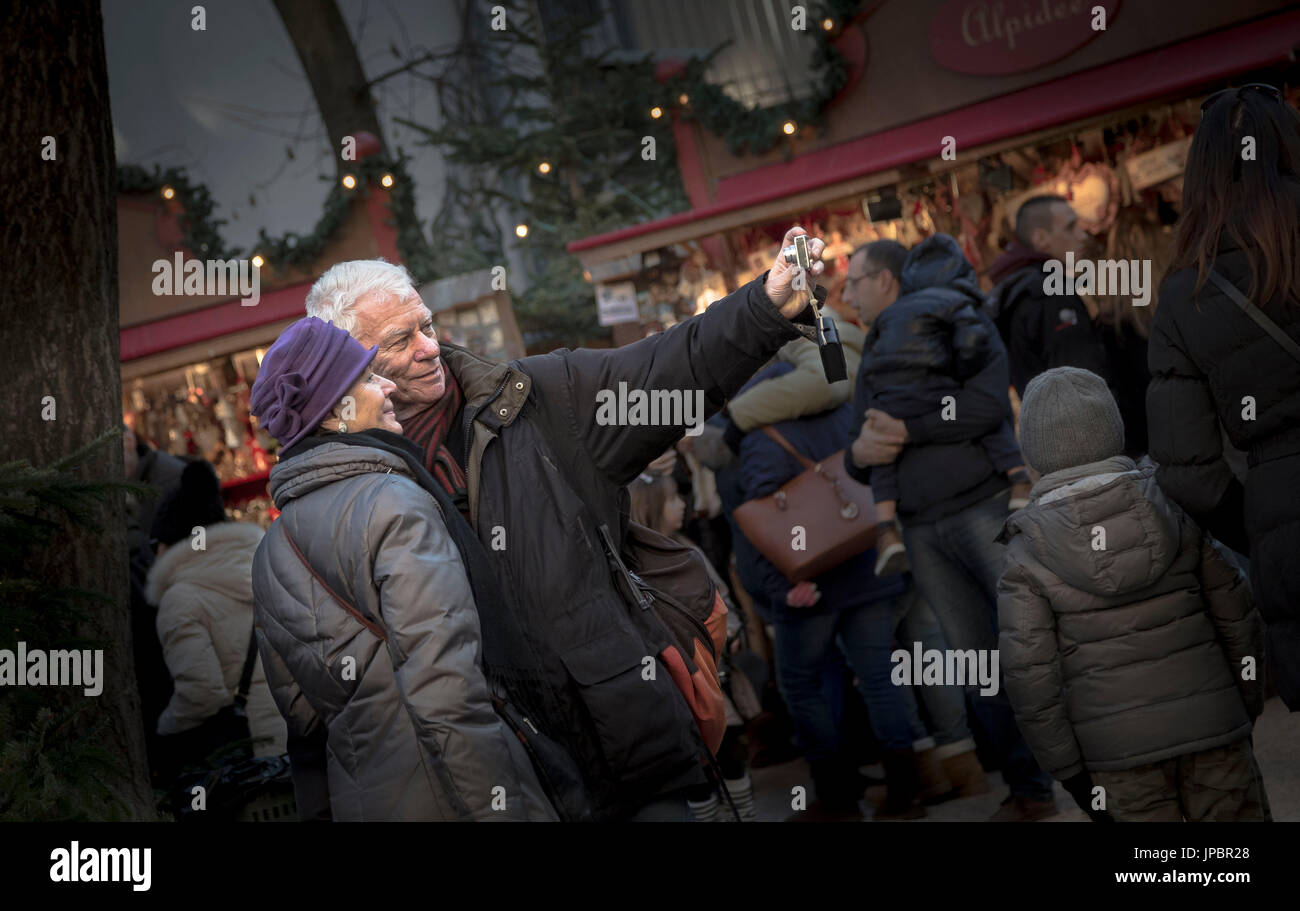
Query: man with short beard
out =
(520, 450)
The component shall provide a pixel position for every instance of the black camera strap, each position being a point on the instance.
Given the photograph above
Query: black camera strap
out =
(829, 345)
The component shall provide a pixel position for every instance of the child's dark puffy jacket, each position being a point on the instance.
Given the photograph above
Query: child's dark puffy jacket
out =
(1123, 629)
(937, 341)
(936, 335)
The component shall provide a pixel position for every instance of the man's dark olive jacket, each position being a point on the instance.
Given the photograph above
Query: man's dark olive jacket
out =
(546, 475)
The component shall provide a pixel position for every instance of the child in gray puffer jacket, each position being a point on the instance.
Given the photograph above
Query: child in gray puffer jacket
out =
(1130, 646)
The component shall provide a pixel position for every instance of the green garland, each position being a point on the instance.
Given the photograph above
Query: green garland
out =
(199, 228)
(756, 131)
(292, 250)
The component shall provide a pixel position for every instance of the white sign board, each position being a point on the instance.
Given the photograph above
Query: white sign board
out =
(616, 303)
(1158, 165)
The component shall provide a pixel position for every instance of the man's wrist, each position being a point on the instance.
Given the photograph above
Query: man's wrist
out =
(802, 324)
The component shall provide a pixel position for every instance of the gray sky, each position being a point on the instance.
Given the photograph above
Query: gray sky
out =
(225, 102)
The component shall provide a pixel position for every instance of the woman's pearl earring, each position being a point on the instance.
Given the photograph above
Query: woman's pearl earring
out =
(343, 427)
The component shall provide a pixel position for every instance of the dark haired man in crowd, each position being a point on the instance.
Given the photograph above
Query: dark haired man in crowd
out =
(871, 283)
(1041, 329)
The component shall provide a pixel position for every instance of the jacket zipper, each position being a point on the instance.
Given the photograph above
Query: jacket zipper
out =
(672, 602)
(644, 593)
(635, 585)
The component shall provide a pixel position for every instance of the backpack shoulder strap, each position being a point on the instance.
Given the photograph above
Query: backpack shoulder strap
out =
(343, 602)
(1259, 316)
(776, 437)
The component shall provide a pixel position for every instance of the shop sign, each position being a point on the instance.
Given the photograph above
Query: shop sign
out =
(999, 37)
(1159, 164)
(616, 303)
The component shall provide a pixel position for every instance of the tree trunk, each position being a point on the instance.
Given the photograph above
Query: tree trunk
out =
(59, 312)
(330, 61)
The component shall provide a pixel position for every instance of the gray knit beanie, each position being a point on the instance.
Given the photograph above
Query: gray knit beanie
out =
(1068, 417)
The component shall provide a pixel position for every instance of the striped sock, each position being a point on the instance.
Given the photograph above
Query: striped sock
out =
(705, 810)
(742, 795)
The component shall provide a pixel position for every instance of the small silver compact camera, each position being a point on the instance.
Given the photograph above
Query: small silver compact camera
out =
(828, 337)
(797, 253)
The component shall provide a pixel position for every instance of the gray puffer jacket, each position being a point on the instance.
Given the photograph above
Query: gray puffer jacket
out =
(1122, 627)
(411, 731)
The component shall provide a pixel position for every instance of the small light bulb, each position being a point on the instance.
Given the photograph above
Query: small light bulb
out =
(828, 24)
(656, 112)
(544, 167)
(683, 99)
(168, 192)
(258, 261)
(386, 180)
(349, 181)
(521, 230)
(788, 128)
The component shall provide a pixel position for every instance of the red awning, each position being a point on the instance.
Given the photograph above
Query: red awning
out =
(213, 322)
(1116, 85)
(230, 317)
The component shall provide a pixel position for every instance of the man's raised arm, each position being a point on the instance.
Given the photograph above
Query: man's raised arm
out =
(625, 406)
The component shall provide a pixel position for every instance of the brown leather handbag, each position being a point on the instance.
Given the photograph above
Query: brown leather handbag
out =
(837, 514)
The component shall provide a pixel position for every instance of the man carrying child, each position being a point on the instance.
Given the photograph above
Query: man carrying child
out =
(934, 379)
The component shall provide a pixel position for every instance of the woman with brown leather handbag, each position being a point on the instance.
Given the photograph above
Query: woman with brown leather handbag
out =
(845, 602)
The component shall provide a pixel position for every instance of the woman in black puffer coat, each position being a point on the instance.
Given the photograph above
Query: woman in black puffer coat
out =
(1212, 363)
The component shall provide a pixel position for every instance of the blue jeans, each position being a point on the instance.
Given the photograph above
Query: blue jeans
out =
(945, 705)
(956, 563)
(805, 647)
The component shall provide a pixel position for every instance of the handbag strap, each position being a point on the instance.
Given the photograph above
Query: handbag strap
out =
(246, 675)
(781, 441)
(1288, 344)
(343, 602)
(809, 465)
(458, 803)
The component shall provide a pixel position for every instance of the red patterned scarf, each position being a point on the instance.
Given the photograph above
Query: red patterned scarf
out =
(429, 429)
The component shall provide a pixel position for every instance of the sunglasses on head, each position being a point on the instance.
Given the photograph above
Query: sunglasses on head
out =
(1271, 90)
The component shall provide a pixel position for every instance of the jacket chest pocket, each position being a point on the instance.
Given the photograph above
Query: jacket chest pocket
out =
(637, 721)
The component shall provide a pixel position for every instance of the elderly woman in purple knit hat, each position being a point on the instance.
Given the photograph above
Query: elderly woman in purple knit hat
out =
(365, 608)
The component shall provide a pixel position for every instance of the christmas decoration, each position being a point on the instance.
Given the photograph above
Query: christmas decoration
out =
(756, 130)
(201, 231)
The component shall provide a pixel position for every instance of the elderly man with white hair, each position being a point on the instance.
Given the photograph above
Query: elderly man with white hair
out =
(539, 470)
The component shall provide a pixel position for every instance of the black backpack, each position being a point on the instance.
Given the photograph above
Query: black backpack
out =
(681, 613)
